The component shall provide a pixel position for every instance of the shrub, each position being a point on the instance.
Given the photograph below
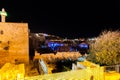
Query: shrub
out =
(106, 49)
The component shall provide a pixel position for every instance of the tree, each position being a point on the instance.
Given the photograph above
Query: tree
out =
(106, 49)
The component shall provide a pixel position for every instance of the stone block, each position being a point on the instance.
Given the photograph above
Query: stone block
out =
(14, 41)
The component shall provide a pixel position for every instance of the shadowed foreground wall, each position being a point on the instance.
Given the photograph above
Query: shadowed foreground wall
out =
(14, 42)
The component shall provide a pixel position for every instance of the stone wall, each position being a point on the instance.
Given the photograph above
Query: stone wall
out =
(14, 42)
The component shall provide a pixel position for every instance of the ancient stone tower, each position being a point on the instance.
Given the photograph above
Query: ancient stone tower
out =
(14, 42)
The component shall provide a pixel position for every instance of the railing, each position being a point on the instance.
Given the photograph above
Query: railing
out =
(113, 68)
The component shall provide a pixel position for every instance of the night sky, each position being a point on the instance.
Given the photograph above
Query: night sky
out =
(67, 19)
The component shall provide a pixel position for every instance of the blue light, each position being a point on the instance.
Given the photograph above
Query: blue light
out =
(54, 45)
(83, 45)
(43, 46)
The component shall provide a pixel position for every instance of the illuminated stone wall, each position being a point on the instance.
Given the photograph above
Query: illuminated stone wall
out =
(14, 42)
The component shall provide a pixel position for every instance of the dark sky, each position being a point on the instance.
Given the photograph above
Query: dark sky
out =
(70, 19)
